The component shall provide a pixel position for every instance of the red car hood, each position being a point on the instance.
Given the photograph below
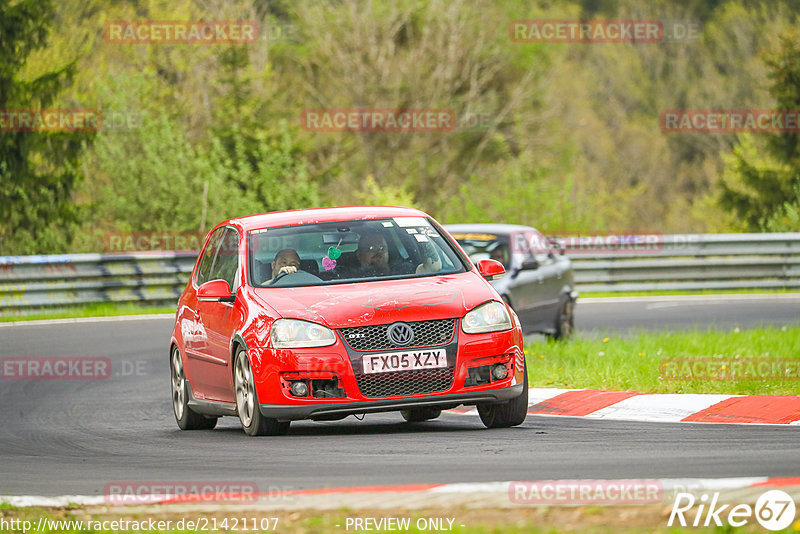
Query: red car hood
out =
(380, 302)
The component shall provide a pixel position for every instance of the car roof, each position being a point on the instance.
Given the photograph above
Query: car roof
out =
(491, 228)
(318, 215)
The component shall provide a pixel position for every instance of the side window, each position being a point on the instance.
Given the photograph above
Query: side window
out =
(227, 258)
(207, 260)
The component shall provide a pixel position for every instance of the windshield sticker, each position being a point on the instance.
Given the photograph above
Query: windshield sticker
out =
(387, 224)
(421, 238)
(404, 222)
(411, 230)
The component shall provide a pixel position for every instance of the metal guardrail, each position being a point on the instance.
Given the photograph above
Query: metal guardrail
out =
(671, 262)
(692, 262)
(29, 283)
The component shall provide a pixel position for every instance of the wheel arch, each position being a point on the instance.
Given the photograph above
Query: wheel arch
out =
(237, 343)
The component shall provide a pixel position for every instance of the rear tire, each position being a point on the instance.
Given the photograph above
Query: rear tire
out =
(508, 414)
(184, 416)
(417, 415)
(253, 423)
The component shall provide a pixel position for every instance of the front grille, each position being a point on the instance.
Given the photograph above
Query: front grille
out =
(426, 333)
(394, 384)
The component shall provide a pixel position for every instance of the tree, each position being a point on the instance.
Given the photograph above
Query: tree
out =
(38, 169)
(762, 179)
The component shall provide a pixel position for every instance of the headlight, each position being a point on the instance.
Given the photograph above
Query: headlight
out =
(489, 317)
(293, 333)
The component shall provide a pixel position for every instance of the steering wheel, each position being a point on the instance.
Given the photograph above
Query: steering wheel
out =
(280, 275)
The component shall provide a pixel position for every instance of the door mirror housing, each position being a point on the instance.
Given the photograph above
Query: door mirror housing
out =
(491, 269)
(215, 291)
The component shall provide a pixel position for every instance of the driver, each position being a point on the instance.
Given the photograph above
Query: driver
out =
(286, 261)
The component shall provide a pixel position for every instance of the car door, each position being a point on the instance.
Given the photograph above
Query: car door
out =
(535, 281)
(211, 366)
(195, 337)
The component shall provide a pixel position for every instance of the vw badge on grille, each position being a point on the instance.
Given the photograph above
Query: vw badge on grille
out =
(400, 334)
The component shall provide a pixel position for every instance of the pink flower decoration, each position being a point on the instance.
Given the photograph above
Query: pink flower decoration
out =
(328, 264)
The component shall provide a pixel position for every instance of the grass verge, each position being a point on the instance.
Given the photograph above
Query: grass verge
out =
(638, 362)
(105, 309)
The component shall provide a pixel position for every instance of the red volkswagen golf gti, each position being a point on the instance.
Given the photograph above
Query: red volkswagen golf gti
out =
(324, 313)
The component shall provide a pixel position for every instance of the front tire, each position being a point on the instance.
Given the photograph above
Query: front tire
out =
(253, 423)
(417, 415)
(185, 417)
(507, 414)
(565, 324)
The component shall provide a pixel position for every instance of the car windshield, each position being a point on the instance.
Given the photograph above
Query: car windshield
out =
(349, 251)
(481, 246)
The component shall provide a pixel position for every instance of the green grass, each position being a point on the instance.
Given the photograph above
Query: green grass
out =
(633, 363)
(604, 294)
(105, 309)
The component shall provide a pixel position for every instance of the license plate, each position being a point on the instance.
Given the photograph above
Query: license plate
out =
(405, 361)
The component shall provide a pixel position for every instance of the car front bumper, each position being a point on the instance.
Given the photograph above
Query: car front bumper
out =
(284, 412)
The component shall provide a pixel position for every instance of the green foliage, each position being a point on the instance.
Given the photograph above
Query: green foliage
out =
(38, 170)
(787, 217)
(151, 177)
(389, 195)
(559, 136)
(762, 177)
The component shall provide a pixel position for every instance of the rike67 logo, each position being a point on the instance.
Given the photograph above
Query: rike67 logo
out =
(774, 510)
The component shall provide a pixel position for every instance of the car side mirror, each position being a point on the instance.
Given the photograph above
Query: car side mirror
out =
(215, 291)
(491, 269)
(529, 265)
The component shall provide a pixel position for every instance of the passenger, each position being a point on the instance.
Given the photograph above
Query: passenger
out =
(373, 255)
(432, 262)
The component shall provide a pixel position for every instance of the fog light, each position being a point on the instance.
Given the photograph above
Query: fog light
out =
(299, 389)
(499, 371)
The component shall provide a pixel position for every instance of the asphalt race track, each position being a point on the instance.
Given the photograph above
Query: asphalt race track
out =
(687, 312)
(74, 437)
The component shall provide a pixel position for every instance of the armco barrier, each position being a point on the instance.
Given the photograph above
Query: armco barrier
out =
(694, 262)
(29, 283)
(681, 262)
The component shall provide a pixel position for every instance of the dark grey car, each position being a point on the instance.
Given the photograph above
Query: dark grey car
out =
(538, 283)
